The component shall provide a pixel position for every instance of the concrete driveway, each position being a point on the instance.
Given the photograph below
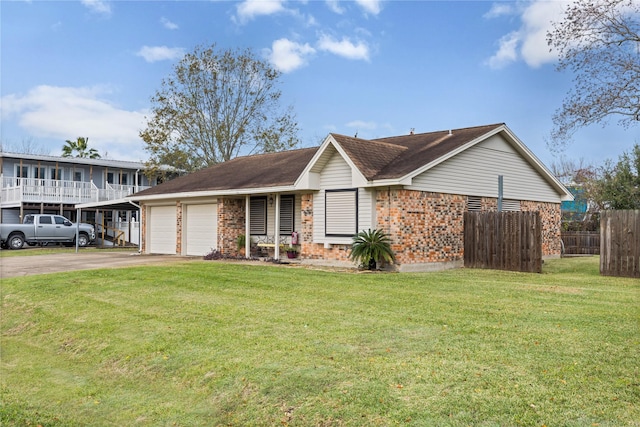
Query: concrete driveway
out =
(55, 263)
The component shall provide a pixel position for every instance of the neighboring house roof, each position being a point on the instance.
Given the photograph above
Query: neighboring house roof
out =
(249, 172)
(123, 164)
(383, 161)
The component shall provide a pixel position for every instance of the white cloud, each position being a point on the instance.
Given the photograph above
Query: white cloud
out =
(499, 9)
(160, 53)
(362, 125)
(529, 42)
(168, 24)
(370, 6)
(538, 19)
(287, 56)
(98, 6)
(249, 9)
(67, 112)
(334, 6)
(345, 47)
(507, 51)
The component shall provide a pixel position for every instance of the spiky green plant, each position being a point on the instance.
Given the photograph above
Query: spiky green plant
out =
(371, 246)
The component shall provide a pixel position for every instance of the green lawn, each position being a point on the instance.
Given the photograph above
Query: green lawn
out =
(208, 343)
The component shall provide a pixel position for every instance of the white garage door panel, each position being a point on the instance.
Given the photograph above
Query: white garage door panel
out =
(162, 230)
(201, 229)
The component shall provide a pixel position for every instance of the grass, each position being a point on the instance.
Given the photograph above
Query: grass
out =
(54, 249)
(208, 343)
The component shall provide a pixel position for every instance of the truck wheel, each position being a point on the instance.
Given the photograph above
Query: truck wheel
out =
(16, 241)
(83, 240)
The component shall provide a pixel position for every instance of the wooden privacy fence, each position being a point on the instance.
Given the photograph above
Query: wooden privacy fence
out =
(503, 241)
(581, 242)
(620, 243)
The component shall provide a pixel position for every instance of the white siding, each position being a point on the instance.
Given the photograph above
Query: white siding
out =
(161, 228)
(201, 229)
(337, 174)
(475, 172)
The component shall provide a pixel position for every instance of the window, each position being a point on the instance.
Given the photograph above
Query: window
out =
(56, 173)
(39, 173)
(77, 176)
(287, 207)
(123, 179)
(341, 212)
(45, 220)
(258, 216)
(110, 178)
(22, 171)
(59, 220)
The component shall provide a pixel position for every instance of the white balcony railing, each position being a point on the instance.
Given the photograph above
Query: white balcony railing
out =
(31, 190)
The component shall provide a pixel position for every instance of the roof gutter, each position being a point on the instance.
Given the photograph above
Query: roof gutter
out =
(213, 193)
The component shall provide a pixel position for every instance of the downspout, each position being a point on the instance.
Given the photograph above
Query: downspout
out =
(500, 191)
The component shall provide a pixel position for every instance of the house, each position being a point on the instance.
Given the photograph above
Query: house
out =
(415, 188)
(33, 183)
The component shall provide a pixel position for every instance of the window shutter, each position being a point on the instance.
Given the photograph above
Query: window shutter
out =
(287, 225)
(258, 216)
(341, 212)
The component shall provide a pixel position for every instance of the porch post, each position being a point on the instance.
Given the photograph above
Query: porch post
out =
(247, 228)
(276, 240)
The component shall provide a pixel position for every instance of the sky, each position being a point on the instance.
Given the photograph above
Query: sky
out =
(373, 68)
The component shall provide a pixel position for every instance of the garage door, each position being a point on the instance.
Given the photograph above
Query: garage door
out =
(201, 229)
(162, 230)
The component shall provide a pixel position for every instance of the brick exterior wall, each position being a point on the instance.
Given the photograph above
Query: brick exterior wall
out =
(551, 222)
(424, 227)
(316, 251)
(143, 228)
(178, 227)
(231, 216)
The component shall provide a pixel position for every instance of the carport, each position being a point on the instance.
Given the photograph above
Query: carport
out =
(122, 205)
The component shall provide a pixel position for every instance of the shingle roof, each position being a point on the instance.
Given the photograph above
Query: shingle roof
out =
(382, 158)
(397, 156)
(257, 171)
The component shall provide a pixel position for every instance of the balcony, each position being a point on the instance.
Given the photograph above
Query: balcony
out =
(15, 191)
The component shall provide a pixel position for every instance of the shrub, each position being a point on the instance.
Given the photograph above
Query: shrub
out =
(214, 254)
(370, 247)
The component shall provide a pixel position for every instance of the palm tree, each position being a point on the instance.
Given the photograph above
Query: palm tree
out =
(81, 148)
(371, 246)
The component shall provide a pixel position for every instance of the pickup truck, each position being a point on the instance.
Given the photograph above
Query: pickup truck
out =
(43, 229)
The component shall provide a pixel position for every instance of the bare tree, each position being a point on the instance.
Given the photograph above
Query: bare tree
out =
(599, 41)
(214, 106)
(26, 146)
(572, 172)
